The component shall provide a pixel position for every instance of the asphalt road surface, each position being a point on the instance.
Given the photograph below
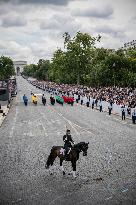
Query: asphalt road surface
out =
(107, 175)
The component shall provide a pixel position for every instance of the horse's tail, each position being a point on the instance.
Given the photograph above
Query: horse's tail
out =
(50, 159)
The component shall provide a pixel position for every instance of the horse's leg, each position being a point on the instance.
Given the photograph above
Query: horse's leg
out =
(50, 160)
(62, 168)
(48, 163)
(74, 168)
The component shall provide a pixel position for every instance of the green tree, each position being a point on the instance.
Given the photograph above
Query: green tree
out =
(42, 69)
(131, 53)
(116, 65)
(58, 71)
(98, 69)
(80, 51)
(6, 68)
(30, 70)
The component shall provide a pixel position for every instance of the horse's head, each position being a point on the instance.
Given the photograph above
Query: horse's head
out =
(84, 147)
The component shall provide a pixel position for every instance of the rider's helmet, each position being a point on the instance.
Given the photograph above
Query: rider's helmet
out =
(68, 132)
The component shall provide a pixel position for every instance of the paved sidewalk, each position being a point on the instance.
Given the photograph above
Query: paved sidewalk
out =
(5, 110)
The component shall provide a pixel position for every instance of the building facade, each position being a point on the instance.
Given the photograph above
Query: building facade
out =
(19, 66)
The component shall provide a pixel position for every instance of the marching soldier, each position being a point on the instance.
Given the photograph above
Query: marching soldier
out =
(43, 100)
(110, 108)
(134, 116)
(123, 112)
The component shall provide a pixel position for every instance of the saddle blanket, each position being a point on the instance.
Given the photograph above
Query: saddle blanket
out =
(62, 151)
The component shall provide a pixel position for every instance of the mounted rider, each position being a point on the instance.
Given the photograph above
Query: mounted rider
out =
(68, 140)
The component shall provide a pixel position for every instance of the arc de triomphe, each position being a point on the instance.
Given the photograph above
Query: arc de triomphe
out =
(19, 66)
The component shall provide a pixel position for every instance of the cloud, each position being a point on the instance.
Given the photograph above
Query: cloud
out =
(113, 30)
(51, 24)
(33, 29)
(2, 45)
(52, 2)
(16, 21)
(60, 23)
(4, 1)
(133, 19)
(35, 51)
(3, 10)
(43, 49)
(15, 50)
(97, 12)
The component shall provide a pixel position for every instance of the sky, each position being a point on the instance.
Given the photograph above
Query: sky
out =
(33, 29)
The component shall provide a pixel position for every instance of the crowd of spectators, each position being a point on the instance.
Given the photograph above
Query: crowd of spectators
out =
(117, 95)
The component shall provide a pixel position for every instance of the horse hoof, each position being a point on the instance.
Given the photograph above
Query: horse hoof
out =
(46, 167)
(74, 175)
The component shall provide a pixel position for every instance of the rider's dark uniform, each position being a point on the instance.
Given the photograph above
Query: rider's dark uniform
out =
(67, 139)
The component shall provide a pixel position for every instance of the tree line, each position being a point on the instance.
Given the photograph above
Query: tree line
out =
(81, 62)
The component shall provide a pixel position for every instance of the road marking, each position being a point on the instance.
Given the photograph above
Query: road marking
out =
(109, 198)
(59, 114)
(124, 190)
(117, 119)
(53, 121)
(38, 94)
(124, 123)
(132, 125)
(14, 123)
(82, 128)
(72, 123)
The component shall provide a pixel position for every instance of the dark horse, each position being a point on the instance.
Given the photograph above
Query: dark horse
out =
(73, 155)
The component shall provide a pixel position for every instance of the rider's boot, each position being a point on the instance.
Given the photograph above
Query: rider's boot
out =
(66, 154)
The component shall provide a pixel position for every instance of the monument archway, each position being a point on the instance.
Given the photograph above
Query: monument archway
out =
(19, 66)
(18, 70)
